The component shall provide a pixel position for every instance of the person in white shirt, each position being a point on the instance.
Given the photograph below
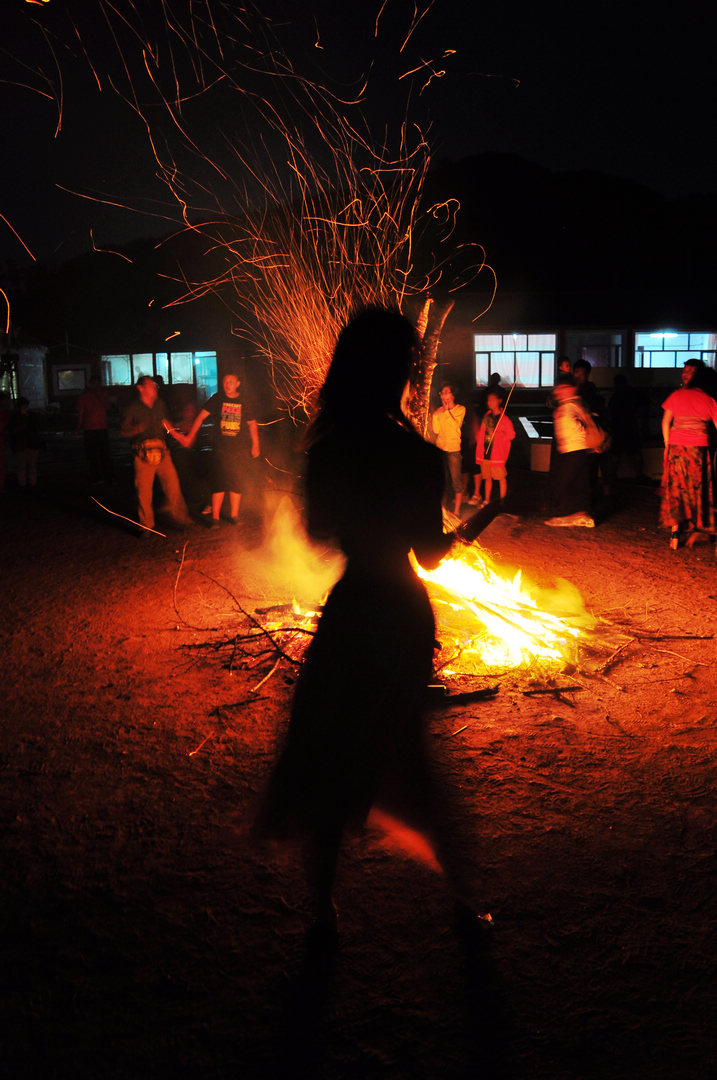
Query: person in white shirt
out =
(571, 476)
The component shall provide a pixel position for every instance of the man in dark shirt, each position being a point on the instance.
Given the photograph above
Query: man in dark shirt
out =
(588, 391)
(593, 402)
(145, 423)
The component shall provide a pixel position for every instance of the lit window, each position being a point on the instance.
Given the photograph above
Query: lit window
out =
(524, 359)
(142, 364)
(482, 368)
(182, 367)
(161, 365)
(205, 372)
(670, 348)
(117, 370)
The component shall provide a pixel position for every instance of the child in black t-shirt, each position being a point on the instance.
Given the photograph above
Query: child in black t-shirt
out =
(236, 435)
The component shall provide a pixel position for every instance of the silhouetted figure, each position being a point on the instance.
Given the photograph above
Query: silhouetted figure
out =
(588, 391)
(92, 407)
(25, 441)
(593, 402)
(356, 735)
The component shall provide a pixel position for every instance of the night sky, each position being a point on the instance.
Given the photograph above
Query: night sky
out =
(621, 89)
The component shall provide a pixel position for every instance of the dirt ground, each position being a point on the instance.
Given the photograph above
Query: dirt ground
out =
(144, 937)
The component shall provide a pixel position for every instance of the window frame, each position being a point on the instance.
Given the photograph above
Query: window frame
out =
(545, 356)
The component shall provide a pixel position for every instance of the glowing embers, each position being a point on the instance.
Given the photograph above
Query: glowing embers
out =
(485, 621)
(290, 626)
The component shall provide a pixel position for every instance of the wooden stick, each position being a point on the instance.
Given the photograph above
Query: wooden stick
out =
(251, 618)
(131, 520)
(612, 659)
(553, 690)
(193, 752)
(267, 676)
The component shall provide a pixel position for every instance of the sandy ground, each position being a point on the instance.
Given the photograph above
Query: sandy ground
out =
(143, 937)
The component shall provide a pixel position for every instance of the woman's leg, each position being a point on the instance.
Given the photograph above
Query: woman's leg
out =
(234, 501)
(321, 857)
(217, 500)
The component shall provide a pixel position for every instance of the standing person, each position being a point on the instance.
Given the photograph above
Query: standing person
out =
(588, 391)
(92, 406)
(235, 437)
(375, 486)
(571, 475)
(565, 368)
(495, 436)
(25, 441)
(593, 402)
(145, 423)
(687, 503)
(447, 424)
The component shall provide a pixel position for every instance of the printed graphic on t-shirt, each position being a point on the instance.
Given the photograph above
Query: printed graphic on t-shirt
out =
(230, 420)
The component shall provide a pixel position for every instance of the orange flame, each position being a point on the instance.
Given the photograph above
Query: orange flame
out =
(486, 620)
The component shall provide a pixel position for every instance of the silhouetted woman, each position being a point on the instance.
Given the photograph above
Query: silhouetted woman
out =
(356, 735)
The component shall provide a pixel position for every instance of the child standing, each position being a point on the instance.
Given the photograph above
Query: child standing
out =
(235, 436)
(495, 436)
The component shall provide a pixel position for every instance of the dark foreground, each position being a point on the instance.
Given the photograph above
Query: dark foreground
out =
(142, 936)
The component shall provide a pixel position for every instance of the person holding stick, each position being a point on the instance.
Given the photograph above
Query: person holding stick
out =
(495, 436)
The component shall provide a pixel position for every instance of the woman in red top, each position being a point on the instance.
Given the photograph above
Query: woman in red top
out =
(687, 478)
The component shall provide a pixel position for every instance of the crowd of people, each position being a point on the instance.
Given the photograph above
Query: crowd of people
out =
(155, 442)
(594, 436)
(235, 441)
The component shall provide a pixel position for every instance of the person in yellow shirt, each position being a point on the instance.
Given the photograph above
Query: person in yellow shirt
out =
(447, 422)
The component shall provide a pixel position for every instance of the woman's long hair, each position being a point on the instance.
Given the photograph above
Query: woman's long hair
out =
(368, 372)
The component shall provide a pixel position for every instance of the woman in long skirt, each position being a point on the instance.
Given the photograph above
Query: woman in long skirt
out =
(688, 499)
(356, 736)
